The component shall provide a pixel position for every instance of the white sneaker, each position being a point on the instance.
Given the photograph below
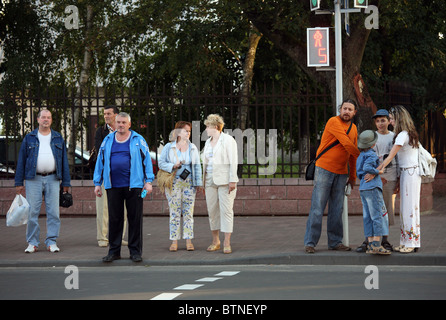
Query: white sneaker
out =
(31, 249)
(53, 248)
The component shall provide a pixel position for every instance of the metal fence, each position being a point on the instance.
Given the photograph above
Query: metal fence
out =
(274, 122)
(277, 128)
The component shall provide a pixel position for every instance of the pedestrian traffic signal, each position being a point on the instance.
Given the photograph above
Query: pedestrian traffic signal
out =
(315, 4)
(318, 47)
(361, 4)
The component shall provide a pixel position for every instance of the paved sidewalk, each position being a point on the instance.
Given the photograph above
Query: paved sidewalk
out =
(256, 240)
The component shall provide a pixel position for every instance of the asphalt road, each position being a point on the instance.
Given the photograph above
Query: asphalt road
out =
(224, 283)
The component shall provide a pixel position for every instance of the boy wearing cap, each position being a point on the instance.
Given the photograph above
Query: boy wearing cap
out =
(373, 205)
(382, 149)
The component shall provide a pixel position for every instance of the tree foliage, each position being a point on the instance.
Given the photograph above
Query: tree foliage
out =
(199, 43)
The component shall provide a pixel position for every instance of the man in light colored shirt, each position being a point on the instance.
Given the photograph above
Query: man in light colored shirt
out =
(43, 163)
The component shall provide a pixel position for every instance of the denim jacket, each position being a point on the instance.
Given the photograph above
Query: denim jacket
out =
(29, 151)
(367, 162)
(167, 160)
(141, 170)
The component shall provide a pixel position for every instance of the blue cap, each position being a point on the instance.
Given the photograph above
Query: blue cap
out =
(381, 113)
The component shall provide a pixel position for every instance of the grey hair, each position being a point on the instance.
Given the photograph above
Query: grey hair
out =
(125, 115)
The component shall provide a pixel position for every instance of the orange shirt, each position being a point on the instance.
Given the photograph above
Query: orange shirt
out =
(338, 158)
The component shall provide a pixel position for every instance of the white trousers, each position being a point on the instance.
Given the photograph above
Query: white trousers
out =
(220, 205)
(410, 188)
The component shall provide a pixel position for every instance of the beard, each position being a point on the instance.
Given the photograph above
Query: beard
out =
(346, 117)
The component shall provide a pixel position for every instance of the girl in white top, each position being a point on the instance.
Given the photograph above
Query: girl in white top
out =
(406, 145)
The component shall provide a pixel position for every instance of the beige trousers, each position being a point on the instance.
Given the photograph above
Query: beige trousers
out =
(389, 200)
(102, 217)
(220, 205)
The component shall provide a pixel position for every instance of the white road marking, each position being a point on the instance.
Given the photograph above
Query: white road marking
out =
(188, 287)
(209, 279)
(166, 296)
(171, 296)
(227, 273)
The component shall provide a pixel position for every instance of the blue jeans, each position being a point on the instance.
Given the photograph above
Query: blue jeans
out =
(35, 188)
(374, 213)
(328, 187)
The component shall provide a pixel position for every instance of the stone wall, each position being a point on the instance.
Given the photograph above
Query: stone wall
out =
(290, 196)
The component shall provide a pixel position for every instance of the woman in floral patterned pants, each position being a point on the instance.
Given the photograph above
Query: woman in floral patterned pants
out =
(182, 156)
(181, 201)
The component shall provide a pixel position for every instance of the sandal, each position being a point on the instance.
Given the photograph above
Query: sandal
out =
(408, 250)
(227, 249)
(213, 247)
(173, 247)
(190, 247)
(397, 249)
(378, 250)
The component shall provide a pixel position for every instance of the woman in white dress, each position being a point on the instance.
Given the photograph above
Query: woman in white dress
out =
(406, 145)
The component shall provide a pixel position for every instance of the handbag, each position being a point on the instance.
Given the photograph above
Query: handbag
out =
(311, 167)
(165, 179)
(65, 199)
(426, 163)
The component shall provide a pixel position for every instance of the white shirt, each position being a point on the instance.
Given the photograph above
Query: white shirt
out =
(45, 160)
(407, 156)
(382, 149)
(209, 159)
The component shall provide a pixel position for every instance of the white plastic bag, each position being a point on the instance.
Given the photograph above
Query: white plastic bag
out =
(18, 213)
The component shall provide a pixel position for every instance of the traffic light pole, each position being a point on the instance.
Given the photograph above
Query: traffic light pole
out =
(339, 99)
(339, 81)
(338, 50)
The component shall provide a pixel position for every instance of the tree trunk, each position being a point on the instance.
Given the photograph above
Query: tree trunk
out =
(83, 80)
(248, 74)
(352, 52)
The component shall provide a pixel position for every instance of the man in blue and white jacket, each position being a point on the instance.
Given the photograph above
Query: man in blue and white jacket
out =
(125, 167)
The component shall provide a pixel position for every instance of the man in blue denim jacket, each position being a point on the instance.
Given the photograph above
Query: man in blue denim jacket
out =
(43, 162)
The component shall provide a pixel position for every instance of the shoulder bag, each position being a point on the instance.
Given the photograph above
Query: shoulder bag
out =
(165, 179)
(309, 171)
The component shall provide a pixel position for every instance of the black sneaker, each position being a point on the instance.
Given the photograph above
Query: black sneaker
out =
(110, 258)
(362, 247)
(136, 258)
(387, 245)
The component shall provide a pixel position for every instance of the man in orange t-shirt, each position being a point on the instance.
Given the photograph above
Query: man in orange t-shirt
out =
(334, 169)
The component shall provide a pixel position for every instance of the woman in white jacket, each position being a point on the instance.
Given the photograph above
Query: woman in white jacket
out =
(220, 180)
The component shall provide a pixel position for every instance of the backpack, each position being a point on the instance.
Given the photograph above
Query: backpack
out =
(427, 164)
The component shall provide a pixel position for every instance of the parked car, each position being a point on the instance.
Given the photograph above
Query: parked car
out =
(83, 172)
(9, 153)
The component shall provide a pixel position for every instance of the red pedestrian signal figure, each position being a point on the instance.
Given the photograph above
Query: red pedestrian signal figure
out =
(317, 39)
(317, 47)
(318, 44)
